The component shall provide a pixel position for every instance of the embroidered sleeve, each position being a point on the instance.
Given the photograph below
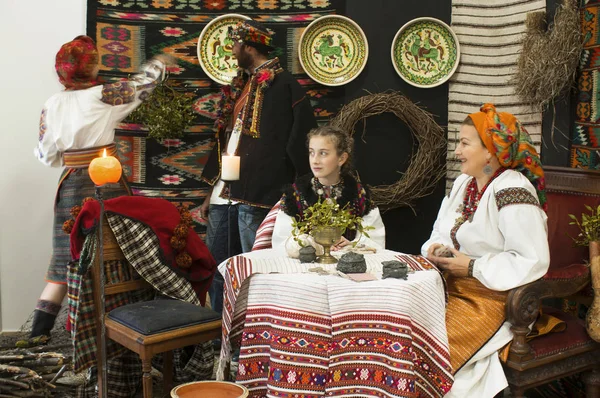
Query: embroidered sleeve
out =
(515, 196)
(124, 92)
(118, 93)
(42, 124)
(46, 150)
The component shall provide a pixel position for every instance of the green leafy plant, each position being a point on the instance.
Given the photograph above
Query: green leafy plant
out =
(589, 226)
(327, 213)
(167, 112)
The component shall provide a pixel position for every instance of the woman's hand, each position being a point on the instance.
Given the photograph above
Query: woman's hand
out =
(455, 266)
(343, 242)
(432, 249)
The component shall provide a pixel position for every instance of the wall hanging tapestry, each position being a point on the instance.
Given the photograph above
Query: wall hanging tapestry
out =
(333, 50)
(585, 146)
(130, 32)
(425, 168)
(490, 41)
(425, 52)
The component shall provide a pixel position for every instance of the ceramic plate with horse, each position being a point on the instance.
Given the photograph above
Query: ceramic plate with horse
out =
(333, 50)
(425, 52)
(215, 49)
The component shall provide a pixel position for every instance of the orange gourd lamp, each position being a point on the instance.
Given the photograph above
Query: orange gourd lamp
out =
(105, 170)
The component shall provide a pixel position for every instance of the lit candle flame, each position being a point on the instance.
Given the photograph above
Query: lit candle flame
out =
(104, 154)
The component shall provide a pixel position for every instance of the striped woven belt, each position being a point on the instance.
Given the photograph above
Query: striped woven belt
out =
(78, 159)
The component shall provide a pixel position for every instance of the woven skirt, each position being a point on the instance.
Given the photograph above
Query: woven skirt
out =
(74, 185)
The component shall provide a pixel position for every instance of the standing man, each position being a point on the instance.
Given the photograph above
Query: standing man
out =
(264, 117)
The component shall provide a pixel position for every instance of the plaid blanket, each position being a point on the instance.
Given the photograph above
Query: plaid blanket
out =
(312, 335)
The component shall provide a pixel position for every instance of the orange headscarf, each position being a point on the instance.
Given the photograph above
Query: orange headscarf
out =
(75, 63)
(505, 137)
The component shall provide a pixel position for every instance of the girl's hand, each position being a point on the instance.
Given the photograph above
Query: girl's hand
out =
(343, 242)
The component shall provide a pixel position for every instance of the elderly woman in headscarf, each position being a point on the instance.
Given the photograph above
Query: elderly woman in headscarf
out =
(76, 126)
(490, 236)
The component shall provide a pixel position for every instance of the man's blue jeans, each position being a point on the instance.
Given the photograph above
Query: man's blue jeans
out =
(243, 220)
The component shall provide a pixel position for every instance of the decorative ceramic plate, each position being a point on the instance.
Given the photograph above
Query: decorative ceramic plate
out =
(215, 49)
(425, 52)
(333, 50)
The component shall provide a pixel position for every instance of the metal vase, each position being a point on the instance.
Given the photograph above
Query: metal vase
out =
(326, 236)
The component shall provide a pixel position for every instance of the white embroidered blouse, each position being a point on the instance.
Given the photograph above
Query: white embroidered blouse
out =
(81, 119)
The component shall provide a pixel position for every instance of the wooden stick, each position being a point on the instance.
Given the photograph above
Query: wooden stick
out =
(15, 383)
(29, 363)
(17, 369)
(60, 373)
(48, 369)
(12, 358)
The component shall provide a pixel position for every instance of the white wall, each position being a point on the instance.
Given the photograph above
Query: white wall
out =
(32, 32)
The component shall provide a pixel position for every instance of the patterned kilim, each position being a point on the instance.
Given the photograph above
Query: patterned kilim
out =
(131, 32)
(489, 33)
(307, 335)
(585, 148)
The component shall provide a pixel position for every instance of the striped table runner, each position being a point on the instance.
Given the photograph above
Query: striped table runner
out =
(490, 34)
(401, 324)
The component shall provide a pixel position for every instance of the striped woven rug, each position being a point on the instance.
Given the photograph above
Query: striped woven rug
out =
(490, 35)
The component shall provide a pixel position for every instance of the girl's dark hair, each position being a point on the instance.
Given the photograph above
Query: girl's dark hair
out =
(342, 142)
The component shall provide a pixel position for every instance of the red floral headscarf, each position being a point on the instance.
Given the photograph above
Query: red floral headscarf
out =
(75, 63)
(504, 136)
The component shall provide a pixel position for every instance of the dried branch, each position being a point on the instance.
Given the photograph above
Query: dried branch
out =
(426, 167)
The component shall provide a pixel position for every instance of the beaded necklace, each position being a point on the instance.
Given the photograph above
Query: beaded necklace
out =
(469, 205)
(333, 191)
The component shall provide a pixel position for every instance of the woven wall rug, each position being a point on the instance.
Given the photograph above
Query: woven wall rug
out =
(129, 32)
(585, 145)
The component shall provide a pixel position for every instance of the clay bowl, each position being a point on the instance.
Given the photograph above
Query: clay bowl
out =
(209, 389)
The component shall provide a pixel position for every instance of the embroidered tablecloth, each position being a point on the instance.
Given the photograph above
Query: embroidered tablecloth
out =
(310, 335)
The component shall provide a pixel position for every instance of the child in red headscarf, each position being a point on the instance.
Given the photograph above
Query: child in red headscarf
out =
(76, 125)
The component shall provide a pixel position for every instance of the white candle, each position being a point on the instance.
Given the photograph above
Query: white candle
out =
(230, 170)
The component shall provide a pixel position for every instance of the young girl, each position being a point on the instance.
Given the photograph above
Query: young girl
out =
(330, 151)
(76, 126)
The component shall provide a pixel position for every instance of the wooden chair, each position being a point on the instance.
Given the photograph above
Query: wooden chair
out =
(556, 355)
(131, 325)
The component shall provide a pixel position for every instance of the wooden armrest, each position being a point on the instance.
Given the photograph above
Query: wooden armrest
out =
(523, 305)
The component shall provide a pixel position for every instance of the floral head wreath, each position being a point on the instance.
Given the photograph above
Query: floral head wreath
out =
(244, 32)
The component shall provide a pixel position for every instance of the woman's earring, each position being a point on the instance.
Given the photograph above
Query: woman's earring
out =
(487, 169)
